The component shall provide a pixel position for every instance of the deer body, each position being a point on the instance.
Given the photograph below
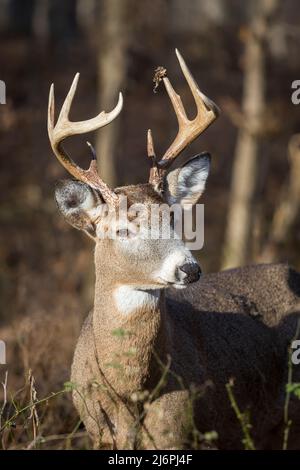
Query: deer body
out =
(154, 357)
(209, 334)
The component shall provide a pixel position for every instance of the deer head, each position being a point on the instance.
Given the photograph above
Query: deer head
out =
(136, 253)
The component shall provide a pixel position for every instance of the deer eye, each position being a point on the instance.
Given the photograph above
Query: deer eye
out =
(123, 233)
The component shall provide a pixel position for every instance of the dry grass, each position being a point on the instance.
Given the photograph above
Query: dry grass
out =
(36, 408)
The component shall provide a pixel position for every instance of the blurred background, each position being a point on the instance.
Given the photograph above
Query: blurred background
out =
(244, 55)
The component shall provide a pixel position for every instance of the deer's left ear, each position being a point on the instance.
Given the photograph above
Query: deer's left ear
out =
(185, 185)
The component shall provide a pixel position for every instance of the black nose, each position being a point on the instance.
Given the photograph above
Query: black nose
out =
(192, 271)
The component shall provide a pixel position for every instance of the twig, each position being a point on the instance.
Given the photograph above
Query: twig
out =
(28, 407)
(287, 421)
(247, 441)
(4, 385)
(33, 411)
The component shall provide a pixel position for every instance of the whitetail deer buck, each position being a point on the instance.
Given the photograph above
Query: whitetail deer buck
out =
(148, 351)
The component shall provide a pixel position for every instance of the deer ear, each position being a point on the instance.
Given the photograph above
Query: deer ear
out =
(77, 202)
(185, 185)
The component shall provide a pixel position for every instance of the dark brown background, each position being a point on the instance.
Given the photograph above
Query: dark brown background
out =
(46, 277)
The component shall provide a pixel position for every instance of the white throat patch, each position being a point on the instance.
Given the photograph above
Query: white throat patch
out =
(128, 299)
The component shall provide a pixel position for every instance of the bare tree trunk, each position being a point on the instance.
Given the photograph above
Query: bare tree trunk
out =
(112, 69)
(21, 17)
(237, 246)
(288, 208)
(63, 26)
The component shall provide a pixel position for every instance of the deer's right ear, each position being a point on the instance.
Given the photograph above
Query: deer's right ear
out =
(77, 202)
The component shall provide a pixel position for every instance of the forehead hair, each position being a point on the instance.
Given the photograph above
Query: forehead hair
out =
(140, 193)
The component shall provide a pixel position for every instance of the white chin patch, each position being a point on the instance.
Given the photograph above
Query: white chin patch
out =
(180, 286)
(129, 299)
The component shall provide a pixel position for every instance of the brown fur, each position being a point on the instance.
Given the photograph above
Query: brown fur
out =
(207, 338)
(231, 324)
(235, 324)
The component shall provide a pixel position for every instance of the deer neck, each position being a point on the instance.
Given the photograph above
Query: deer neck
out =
(130, 327)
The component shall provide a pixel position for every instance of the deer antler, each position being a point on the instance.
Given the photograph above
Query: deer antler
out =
(65, 128)
(207, 112)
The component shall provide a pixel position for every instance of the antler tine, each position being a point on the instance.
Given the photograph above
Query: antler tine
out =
(65, 109)
(65, 128)
(51, 107)
(177, 104)
(154, 177)
(150, 145)
(207, 112)
(203, 103)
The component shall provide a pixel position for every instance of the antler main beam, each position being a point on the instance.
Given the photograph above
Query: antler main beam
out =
(65, 128)
(188, 130)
